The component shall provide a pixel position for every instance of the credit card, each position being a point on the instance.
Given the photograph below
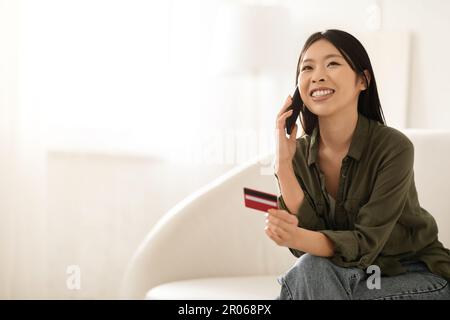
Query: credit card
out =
(259, 200)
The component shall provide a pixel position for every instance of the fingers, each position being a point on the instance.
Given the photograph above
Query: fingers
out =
(282, 215)
(272, 235)
(286, 105)
(277, 227)
(293, 135)
(281, 120)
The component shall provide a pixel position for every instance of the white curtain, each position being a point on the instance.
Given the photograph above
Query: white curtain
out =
(23, 269)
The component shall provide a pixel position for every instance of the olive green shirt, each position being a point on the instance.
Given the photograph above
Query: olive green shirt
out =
(377, 217)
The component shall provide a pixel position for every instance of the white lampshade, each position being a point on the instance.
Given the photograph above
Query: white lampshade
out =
(251, 39)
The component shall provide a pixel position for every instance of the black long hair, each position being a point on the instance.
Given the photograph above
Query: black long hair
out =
(356, 56)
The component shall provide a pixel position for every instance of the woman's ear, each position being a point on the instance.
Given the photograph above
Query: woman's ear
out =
(368, 77)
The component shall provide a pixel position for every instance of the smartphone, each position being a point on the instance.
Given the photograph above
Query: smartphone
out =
(296, 105)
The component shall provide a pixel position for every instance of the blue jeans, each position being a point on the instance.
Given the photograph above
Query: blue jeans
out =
(317, 278)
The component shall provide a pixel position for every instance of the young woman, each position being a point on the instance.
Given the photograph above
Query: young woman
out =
(349, 205)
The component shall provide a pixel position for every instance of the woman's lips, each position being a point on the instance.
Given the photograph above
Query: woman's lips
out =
(322, 98)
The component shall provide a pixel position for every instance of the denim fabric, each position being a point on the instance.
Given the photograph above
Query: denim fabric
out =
(318, 278)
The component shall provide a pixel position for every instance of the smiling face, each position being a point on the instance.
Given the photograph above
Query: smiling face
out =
(323, 66)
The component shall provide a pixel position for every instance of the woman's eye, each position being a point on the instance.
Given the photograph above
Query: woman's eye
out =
(335, 63)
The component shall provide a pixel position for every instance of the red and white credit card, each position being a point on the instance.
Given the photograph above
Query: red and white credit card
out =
(259, 200)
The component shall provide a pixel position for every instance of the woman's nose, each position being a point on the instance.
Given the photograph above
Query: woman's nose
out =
(318, 76)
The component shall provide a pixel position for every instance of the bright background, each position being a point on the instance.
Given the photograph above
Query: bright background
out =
(113, 111)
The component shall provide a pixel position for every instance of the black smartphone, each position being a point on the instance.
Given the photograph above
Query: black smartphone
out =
(296, 105)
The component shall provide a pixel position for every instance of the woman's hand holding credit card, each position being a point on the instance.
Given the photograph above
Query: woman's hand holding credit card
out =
(281, 226)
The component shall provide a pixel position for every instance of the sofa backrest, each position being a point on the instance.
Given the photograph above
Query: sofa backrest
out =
(432, 176)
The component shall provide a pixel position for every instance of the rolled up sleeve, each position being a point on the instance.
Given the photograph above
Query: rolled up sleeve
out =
(376, 219)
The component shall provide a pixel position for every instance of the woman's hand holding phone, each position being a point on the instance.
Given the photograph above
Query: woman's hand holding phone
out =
(285, 147)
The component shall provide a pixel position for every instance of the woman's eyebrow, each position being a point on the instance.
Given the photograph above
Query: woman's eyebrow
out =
(326, 57)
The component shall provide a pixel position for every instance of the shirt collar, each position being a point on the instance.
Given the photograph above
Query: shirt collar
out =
(357, 145)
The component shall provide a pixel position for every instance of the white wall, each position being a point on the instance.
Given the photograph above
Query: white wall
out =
(429, 20)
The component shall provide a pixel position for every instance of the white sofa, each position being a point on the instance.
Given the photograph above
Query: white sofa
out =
(210, 246)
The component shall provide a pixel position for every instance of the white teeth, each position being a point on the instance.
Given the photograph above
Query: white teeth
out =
(320, 93)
